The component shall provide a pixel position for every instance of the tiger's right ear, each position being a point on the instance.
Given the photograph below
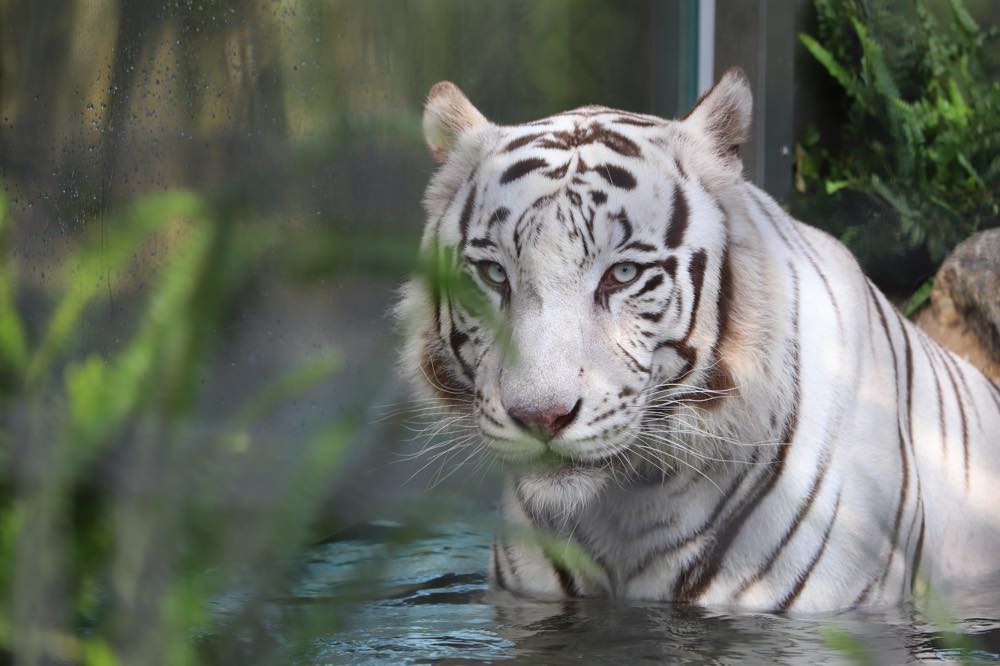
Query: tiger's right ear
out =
(447, 115)
(723, 114)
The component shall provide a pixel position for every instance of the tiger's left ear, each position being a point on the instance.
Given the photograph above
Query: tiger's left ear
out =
(723, 114)
(447, 115)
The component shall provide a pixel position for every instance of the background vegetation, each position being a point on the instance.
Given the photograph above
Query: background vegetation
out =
(910, 164)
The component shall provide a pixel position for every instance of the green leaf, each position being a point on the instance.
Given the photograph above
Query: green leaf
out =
(565, 553)
(294, 383)
(834, 186)
(963, 18)
(969, 169)
(849, 645)
(918, 299)
(100, 266)
(835, 69)
(97, 652)
(894, 199)
(13, 347)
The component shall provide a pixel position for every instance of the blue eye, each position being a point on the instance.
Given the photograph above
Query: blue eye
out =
(624, 272)
(620, 275)
(493, 273)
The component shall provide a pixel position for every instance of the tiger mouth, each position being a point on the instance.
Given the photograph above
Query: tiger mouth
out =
(531, 455)
(563, 463)
(617, 462)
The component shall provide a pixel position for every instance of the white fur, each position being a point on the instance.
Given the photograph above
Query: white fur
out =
(653, 491)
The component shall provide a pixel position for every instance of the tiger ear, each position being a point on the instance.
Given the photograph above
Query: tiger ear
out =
(447, 115)
(723, 113)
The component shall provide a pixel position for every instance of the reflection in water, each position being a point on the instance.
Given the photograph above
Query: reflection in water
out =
(433, 605)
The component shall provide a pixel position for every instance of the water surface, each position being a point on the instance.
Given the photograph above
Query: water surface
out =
(433, 605)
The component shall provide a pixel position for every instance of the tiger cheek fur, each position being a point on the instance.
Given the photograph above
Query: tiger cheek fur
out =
(740, 417)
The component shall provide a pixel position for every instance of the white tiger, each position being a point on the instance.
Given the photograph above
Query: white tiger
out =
(740, 417)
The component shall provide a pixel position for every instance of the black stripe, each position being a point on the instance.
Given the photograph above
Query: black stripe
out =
(522, 141)
(670, 267)
(498, 577)
(694, 580)
(792, 420)
(680, 169)
(511, 569)
(466, 216)
(678, 219)
(908, 353)
(786, 603)
(719, 377)
(767, 216)
(633, 121)
(905, 466)
(619, 143)
(803, 511)
(961, 413)
(566, 581)
(521, 169)
(640, 246)
(696, 272)
(863, 596)
(559, 172)
(622, 218)
(920, 551)
(808, 251)
(909, 417)
(519, 227)
(482, 242)
(488, 418)
(499, 216)
(803, 247)
(651, 284)
(615, 175)
(909, 537)
(639, 366)
(940, 400)
(665, 549)
(456, 339)
(961, 378)
(994, 391)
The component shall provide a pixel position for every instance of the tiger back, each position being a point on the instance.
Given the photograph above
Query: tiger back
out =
(705, 395)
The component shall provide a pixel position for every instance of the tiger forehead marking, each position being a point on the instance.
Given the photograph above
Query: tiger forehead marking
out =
(738, 416)
(582, 175)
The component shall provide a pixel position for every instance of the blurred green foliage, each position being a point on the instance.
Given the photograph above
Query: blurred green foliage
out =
(169, 170)
(119, 565)
(913, 165)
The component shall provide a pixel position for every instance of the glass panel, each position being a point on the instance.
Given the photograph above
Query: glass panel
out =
(207, 208)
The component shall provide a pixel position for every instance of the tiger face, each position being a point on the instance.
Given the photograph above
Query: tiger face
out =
(599, 242)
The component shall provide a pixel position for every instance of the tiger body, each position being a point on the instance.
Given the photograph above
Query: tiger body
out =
(742, 419)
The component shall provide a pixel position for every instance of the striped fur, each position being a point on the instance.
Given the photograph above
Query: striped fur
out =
(754, 425)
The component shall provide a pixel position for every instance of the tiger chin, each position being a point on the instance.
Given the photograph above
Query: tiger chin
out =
(703, 394)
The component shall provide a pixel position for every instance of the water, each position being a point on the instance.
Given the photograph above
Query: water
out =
(433, 606)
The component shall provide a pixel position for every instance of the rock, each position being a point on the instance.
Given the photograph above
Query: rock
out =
(965, 303)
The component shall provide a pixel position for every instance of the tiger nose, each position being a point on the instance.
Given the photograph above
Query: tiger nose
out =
(544, 423)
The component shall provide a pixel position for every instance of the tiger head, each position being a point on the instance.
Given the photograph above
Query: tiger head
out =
(600, 241)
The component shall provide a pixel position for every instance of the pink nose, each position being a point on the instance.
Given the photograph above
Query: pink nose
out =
(545, 423)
